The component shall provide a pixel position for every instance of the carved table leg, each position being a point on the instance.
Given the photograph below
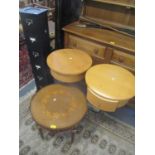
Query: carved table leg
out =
(41, 133)
(73, 135)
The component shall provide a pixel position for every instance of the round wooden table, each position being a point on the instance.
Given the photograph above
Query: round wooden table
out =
(57, 107)
(109, 86)
(69, 65)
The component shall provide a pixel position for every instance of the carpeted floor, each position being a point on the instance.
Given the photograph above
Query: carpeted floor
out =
(98, 134)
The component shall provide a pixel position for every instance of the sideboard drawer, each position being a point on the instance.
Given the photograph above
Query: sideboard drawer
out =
(101, 53)
(85, 45)
(123, 58)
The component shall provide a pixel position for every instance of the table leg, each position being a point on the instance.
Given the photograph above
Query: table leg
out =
(41, 133)
(73, 135)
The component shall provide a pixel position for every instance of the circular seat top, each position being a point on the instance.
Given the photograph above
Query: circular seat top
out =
(111, 81)
(69, 61)
(58, 107)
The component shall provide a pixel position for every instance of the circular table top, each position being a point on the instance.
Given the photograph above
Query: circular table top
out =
(111, 81)
(58, 107)
(69, 61)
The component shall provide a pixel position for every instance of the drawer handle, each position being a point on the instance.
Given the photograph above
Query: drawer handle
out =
(74, 44)
(95, 51)
(120, 60)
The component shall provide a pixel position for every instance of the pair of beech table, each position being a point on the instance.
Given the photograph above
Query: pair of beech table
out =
(57, 107)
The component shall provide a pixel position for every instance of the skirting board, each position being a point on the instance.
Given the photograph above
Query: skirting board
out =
(28, 90)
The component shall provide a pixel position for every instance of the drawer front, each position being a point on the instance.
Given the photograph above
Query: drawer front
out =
(123, 59)
(100, 53)
(87, 46)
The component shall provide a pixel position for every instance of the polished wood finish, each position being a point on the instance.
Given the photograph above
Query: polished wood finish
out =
(58, 107)
(115, 13)
(110, 44)
(111, 81)
(104, 104)
(109, 86)
(113, 46)
(102, 45)
(100, 102)
(126, 3)
(67, 78)
(69, 65)
(126, 59)
(101, 36)
(85, 45)
(69, 61)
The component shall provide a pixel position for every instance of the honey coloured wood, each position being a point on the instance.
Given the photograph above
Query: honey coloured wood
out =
(120, 14)
(100, 102)
(101, 37)
(104, 104)
(69, 65)
(104, 46)
(106, 31)
(67, 78)
(111, 82)
(126, 3)
(58, 107)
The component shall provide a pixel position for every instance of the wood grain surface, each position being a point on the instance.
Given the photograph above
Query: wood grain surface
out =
(58, 107)
(69, 61)
(111, 81)
(103, 36)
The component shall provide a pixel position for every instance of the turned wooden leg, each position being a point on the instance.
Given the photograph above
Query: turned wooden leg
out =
(73, 135)
(41, 133)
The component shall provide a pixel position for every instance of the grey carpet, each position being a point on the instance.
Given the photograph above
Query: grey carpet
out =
(98, 134)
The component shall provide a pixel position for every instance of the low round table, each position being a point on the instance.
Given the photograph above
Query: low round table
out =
(109, 86)
(57, 107)
(69, 65)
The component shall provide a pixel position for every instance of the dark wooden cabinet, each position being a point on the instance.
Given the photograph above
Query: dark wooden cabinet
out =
(35, 27)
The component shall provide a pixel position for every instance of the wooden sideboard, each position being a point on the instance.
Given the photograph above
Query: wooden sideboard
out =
(103, 45)
(112, 41)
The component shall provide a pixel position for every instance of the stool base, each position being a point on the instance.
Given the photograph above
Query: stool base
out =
(72, 133)
(67, 78)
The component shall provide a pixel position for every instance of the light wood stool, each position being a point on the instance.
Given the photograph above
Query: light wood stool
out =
(69, 65)
(58, 108)
(109, 86)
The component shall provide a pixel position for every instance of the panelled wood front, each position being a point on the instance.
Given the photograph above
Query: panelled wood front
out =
(91, 48)
(101, 53)
(127, 3)
(125, 60)
(116, 13)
